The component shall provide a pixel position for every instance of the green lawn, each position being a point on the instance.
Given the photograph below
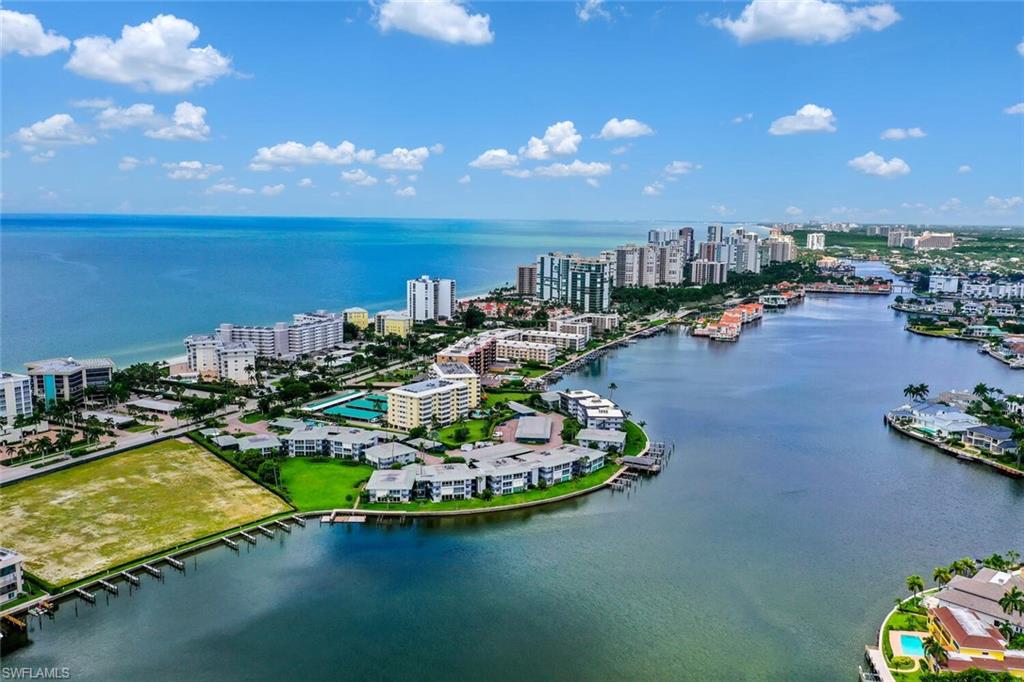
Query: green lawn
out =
(314, 484)
(588, 481)
(493, 399)
(636, 439)
(80, 521)
(139, 428)
(531, 372)
(252, 417)
(479, 429)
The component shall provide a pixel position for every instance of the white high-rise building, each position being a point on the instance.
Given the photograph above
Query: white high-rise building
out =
(430, 299)
(307, 333)
(708, 272)
(816, 241)
(582, 283)
(15, 397)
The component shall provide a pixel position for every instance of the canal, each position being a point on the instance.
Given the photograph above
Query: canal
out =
(769, 549)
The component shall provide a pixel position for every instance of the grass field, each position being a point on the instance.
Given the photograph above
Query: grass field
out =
(496, 398)
(636, 439)
(588, 481)
(74, 523)
(322, 484)
(479, 429)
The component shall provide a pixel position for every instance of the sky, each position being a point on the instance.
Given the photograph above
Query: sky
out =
(759, 111)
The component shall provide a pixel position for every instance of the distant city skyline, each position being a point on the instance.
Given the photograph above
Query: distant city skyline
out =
(734, 112)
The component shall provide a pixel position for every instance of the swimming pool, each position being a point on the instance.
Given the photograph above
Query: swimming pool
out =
(912, 645)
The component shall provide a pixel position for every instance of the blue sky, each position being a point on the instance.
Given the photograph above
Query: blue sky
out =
(716, 111)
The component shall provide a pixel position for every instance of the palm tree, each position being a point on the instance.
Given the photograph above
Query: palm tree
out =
(982, 390)
(915, 584)
(933, 649)
(941, 575)
(1013, 601)
(1006, 629)
(611, 389)
(1013, 557)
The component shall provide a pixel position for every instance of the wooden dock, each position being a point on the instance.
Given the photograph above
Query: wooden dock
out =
(350, 518)
(152, 570)
(131, 579)
(248, 538)
(230, 543)
(266, 531)
(176, 563)
(109, 587)
(284, 526)
(87, 596)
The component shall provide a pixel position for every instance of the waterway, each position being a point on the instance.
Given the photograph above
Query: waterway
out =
(769, 549)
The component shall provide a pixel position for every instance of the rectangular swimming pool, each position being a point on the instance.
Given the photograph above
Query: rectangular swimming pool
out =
(912, 645)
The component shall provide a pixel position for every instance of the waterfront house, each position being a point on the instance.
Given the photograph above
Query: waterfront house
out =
(937, 419)
(591, 410)
(982, 331)
(390, 485)
(969, 642)
(602, 439)
(981, 594)
(997, 439)
(386, 455)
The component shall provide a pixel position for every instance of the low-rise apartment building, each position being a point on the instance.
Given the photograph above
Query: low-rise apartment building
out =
(15, 398)
(67, 378)
(343, 442)
(12, 575)
(387, 455)
(526, 351)
(307, 333)
(591, 410)
(392, 322)
(214, 358)
(562, 340)
(356, 316)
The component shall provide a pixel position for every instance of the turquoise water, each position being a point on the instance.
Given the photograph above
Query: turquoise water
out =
(132, 287)
(353, 413)
(912, 645)
(770, 548)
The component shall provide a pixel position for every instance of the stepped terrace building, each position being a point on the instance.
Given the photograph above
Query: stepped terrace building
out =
(425, 403)
(591, 410)
(67, 378)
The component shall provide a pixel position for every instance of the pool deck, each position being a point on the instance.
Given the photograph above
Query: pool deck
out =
(895, 641)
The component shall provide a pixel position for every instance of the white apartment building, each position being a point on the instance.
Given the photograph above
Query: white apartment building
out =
(15, 397)
(343, 442)
(526, 351)
(307, 333)
(648, 265)
(934, 240)
(12, 578)
(434, 401)
(430, 299)
(943, 284)
(583, 283)
(816, 241)
(214, 358)
(591, 410)
(779, 249)
(997, 290)
(68, 378)
(561, 340)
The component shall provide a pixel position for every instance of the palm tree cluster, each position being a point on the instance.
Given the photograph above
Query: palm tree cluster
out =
(916, 391)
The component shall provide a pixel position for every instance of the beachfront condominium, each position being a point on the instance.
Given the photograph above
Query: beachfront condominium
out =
(816, 241)
(68, 378)
(430, 299)
(357, 317)
(307, 333)
(582, 283)
(392, 323)
(428, 403)
(934, 240)
(778, 249)
(459, 371)
(526, 279)
(15, 398)
(527, 351)
(213, 358)
(682, 236)
(708, 272)
(716, 233)
(561, 340)
(648, 265)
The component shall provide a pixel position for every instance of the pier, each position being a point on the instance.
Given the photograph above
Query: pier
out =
(284, 526)
(87, 596)
(109, 587)
(266, 531)
(248, 538)
(299, 520)
(152, 570)
(131, 579)
(176, 564)
(230, 543)
(349, 518)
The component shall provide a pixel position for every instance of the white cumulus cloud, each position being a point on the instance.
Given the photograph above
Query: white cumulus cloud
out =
(228, 188)
(875, 164)
(1020, 48)
(615, 129)
(406, 192)
(560, 139)
(446, 20)
(495, 158)
(810, 118)
(24, 34)
(271, 190)
(902, 133)
(290, 154)
(677, 168)
(44, 157)
(305, 182)
(191, 170)
(653, 189)
(187, 123)
(134, 116)
(575, 169)
(59, 129)
(794, 210)
(964, 169)
(592, 9)
(130, 163)
(155, 55)
(401, 158)
(1015, 109)
(742, 117)
(1003, 204)
(359, 177)
(465, 180)
(805, 21)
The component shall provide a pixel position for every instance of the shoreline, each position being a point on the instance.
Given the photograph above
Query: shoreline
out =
(953, 452)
